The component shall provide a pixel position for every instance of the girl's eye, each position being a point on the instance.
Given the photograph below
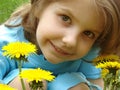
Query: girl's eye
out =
(66, 19)
(89, 34)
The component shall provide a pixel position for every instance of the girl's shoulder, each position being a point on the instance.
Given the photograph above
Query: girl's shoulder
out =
(11, 34)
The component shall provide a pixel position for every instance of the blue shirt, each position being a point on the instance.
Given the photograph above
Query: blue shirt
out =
(68, 74)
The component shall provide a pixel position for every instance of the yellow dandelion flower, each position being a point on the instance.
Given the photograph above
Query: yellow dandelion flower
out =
(113, 67)
(18, 49)
(109, 65)
(39, 75)
(106, 58)
(6, 87)
(104, 72)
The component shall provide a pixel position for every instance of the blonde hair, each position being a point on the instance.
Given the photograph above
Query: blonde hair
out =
(108, 41)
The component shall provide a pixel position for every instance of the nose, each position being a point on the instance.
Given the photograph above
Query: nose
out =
(70, 39)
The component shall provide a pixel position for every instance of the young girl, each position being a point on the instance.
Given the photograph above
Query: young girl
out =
(69, 34)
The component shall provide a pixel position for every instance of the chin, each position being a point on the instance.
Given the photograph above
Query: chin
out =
(54, 61)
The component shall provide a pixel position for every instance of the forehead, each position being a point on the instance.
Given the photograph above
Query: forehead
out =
(85, 12)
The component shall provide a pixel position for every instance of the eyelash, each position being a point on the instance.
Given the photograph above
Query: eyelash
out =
(66, 19)
(89, 34)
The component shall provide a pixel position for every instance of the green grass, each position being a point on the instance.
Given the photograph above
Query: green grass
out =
(7, 7)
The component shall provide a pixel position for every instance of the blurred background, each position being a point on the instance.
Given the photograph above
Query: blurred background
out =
(7, 7)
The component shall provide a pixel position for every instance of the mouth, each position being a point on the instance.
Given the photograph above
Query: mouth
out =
(59, 50)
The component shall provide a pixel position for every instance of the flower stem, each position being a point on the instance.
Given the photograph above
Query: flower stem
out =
(110, 85)
(105, 86)
(22, 82)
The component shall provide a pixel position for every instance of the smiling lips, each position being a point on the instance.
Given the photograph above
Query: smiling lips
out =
(60, 50)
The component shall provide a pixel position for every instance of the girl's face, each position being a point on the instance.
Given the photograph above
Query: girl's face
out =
(67, 30)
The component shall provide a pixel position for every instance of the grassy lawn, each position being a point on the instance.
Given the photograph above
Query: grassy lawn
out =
(7, 7)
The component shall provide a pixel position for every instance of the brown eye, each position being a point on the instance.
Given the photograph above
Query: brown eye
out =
(66, 19)
(89, 34)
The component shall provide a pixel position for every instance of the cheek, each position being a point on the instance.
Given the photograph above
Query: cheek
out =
(47, 31)
(40, 34)
(42, 29)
